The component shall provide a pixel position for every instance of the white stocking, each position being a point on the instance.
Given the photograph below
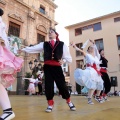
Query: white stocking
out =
(90, 93)
(98, 92)
(4, 100)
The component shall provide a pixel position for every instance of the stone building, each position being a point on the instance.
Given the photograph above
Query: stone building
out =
(29, 20)
(105, 31)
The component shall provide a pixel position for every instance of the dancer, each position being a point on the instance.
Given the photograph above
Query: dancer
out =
(55, 54)
(91, 76)
(9, 65)
(31, 87)
(105, 77)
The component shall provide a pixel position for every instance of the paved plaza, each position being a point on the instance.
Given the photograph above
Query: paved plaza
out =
(33, 108)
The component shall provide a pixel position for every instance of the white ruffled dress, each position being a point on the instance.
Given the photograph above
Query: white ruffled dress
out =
(89, 77)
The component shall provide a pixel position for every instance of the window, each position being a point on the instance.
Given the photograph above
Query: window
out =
(14, 29)
(117, 19)
(65, 67)
(78, 31)
(99, 44)
(118, 41)
(78, 53)
(85, 28)
(97, 26)
(42, 9)
(90, 26)
(40, 38)
(79, 64)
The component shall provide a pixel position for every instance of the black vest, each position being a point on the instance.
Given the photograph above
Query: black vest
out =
(104, 62)
(57, 52)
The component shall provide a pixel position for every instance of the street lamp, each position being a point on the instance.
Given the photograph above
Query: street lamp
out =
(35, 62)
(30, 65)
(39, 66)
(36, 66)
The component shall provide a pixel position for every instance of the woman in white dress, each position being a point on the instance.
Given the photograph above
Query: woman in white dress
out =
(91, 76)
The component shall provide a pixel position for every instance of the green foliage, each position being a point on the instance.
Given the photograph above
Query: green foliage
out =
(34, 74)
(28, 75)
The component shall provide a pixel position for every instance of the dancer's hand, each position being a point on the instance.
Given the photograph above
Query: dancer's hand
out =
(19, 51)
(92, 41)
(61, 61)
(72, 44)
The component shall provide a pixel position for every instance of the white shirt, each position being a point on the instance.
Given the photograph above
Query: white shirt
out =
(39, 48)
(33, 80)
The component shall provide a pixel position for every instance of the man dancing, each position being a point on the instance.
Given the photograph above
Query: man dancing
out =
(55, 54)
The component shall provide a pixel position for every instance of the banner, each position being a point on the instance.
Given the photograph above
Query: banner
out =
(41, 56)
(15, 44)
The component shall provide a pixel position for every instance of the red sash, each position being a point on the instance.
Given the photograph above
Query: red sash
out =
(52, 63)
(95, 68)
(103, 70)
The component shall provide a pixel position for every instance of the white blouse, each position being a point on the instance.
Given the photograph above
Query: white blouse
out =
(33, 80)
(39, 48)
(91, 60)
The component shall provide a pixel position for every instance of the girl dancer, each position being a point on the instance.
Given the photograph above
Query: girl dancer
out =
(91, 76)
(105, 77)
(9, 65)
(31, 87)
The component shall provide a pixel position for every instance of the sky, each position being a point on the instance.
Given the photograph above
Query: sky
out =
(74, 11)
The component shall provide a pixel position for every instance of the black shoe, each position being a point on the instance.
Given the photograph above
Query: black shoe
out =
(105, 98)
(90, 101)
(97, 98)
(49, 109)
(72, 107)
(7, 115)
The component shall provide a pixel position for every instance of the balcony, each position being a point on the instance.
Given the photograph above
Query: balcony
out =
(44, 13)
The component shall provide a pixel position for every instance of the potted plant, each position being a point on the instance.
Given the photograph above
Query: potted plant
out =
(26, 82)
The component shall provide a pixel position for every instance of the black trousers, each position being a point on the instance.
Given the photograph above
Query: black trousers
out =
(107, 83)
(40, 88)
(55, 74)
